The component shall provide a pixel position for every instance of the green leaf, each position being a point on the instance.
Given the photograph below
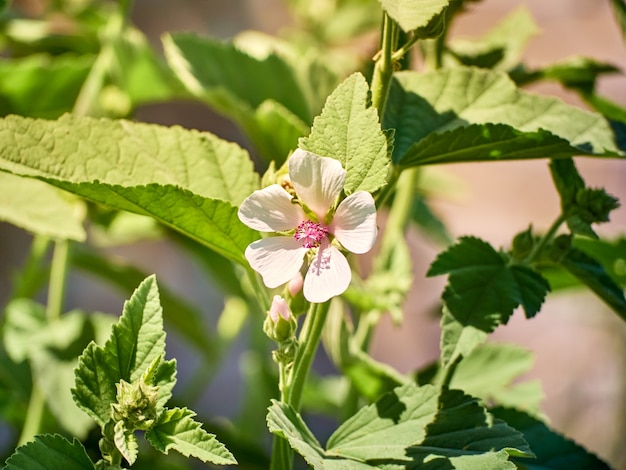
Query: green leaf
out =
(580, 205)
(50, 452)
(126, 442)
(457, 340)
(206, 65)
(423, 103)
(591, 273)
(136, 341)
(212, 222)
(505, 42)
(139, 73)
(41, 85)
(413, 424)
(349, 131)
(285, 422)
(411, 15)
(41, 209)
(483, 290)
(81, 150)
(611, 254)
(489, 372)
(487, 142)
(552, 450)
(175, 429)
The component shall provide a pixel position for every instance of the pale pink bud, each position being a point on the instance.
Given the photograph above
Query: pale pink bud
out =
(279, 307)
(295, 285)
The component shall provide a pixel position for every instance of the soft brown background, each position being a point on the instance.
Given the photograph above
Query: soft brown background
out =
(579, 345)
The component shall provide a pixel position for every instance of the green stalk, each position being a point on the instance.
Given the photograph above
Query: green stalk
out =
(56, 292)
(383, 70)
(546, 238)
(309, 341)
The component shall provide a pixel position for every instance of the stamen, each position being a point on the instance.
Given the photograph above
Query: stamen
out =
(311, 233)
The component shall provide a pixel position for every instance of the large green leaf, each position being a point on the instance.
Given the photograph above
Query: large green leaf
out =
(176, 429)
(423, 103)
(212, 222)
(78, 149)
(50, 453)
(39, 208)
(349, 131)
(405, 429)
(410, 14)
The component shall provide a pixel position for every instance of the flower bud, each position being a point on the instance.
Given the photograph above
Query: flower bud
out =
(280, 323)
(136, 404)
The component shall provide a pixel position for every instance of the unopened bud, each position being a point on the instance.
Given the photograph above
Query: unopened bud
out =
(280, 323)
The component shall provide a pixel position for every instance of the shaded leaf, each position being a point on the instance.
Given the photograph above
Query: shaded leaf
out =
(175, 429)
(349, 131)
(552, 450)
(206, 65)
(42, 85)
(487, 142)
(483, 290)
(52, 452)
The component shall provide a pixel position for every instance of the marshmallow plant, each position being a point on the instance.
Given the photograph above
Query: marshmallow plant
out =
(308, 242)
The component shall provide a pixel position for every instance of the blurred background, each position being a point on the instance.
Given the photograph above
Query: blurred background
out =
(579, 345)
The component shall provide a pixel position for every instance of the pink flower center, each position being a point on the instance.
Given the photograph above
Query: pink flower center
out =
(311, 233)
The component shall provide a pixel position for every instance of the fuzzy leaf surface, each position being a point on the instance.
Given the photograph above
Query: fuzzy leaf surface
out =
(80, 150)
(434, 102)
(50, 452)
(410, 14)
(349, 131)
(176, 429)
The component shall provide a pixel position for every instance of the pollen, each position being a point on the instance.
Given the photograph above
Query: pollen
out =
(310, 233)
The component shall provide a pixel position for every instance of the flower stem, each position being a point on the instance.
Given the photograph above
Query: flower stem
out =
(309, 340)
(545, 239)
(56, 291)
(383, 70)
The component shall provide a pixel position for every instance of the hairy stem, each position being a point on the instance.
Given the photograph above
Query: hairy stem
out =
(383, 70)
(545, 239)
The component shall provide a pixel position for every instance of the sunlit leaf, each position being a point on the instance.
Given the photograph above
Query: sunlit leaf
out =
(410, 14)
(176, 430)
(349, 131)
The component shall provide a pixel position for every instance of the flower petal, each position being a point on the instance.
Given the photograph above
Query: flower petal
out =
(328, 275)
(354, 224)
(270, 210)
(317, 180)
(276, 259)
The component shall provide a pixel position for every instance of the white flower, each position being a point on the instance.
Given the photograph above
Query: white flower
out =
(307, 225)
